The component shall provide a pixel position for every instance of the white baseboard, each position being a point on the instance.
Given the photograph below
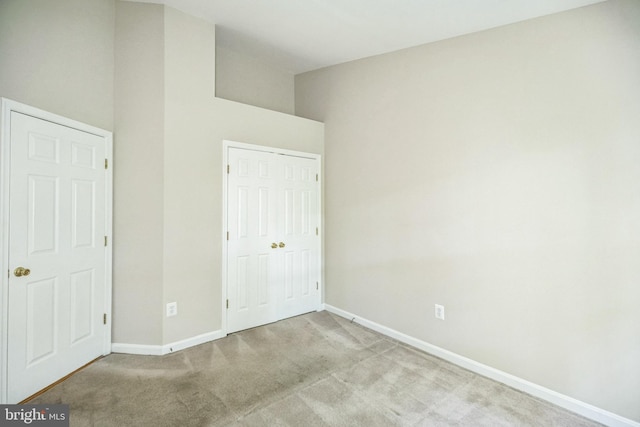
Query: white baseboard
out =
(145, 350)
(566, 402)
(160, 350)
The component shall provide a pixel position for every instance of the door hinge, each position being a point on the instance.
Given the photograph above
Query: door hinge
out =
(317, 286)
(227, 235)
(228, 169)
(227, 303)
(316, 231)
(316, 177)
(104, 319)
(105, 240)
(106, 163)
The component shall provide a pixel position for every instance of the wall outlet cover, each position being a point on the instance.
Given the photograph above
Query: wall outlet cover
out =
(172, 309)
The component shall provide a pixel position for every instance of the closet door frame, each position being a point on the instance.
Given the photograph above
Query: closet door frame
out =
(226, 145)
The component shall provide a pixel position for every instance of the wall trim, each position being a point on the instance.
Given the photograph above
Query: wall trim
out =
(161, 350)
(561, 400)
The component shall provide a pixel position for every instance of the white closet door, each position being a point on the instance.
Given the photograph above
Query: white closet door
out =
(252, 205)
(298, 218)
(272, 248)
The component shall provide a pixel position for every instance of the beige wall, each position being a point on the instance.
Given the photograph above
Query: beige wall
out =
(58, 56)
(169, 133)
(188, 268)
(194, 223)
(247, 79)
(496, 174)
(139, 155)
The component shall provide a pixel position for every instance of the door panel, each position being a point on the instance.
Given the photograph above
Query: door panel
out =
(82, 295)
(43, 198)
(302, 251)
(272, 201)
(83, 198)
(41, 336)
(57, 220)
(251, 224)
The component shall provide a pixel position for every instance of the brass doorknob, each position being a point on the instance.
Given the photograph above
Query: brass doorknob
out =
(274, 245)
(21, 271)
(281, 244)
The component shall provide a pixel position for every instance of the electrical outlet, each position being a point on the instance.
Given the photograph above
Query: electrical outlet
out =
(439, 311)
(172, 309)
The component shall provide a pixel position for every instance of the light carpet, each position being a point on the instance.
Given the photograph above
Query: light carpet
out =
(312, 370)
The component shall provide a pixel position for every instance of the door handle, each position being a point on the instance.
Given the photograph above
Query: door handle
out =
(21, 271)
(281, 244)
(274, 245)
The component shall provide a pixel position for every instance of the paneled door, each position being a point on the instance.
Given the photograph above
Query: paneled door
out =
(57, 288)
(273, 247)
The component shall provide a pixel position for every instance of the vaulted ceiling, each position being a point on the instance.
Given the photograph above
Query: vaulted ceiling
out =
(302, 35)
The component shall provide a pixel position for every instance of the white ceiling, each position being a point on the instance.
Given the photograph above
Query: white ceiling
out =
(303, 35)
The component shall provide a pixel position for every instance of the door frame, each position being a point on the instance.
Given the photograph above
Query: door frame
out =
(9, 106)
(226, 144)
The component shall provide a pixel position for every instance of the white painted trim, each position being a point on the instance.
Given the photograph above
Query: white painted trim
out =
(108, 297)
(263, 148)
(561, 400)
(141, 349)
(5, 137)
(223, 270)
(160, 350)
(7, 106)
(226, 144)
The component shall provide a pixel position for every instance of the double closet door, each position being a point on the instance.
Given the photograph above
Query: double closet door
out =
(273, 243)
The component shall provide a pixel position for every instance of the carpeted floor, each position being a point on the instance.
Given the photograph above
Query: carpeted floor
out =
(313, 370)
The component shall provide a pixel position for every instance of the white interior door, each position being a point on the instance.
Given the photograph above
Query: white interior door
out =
(273, 249)
(57, 276)
(252, 226)
(299, 219)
